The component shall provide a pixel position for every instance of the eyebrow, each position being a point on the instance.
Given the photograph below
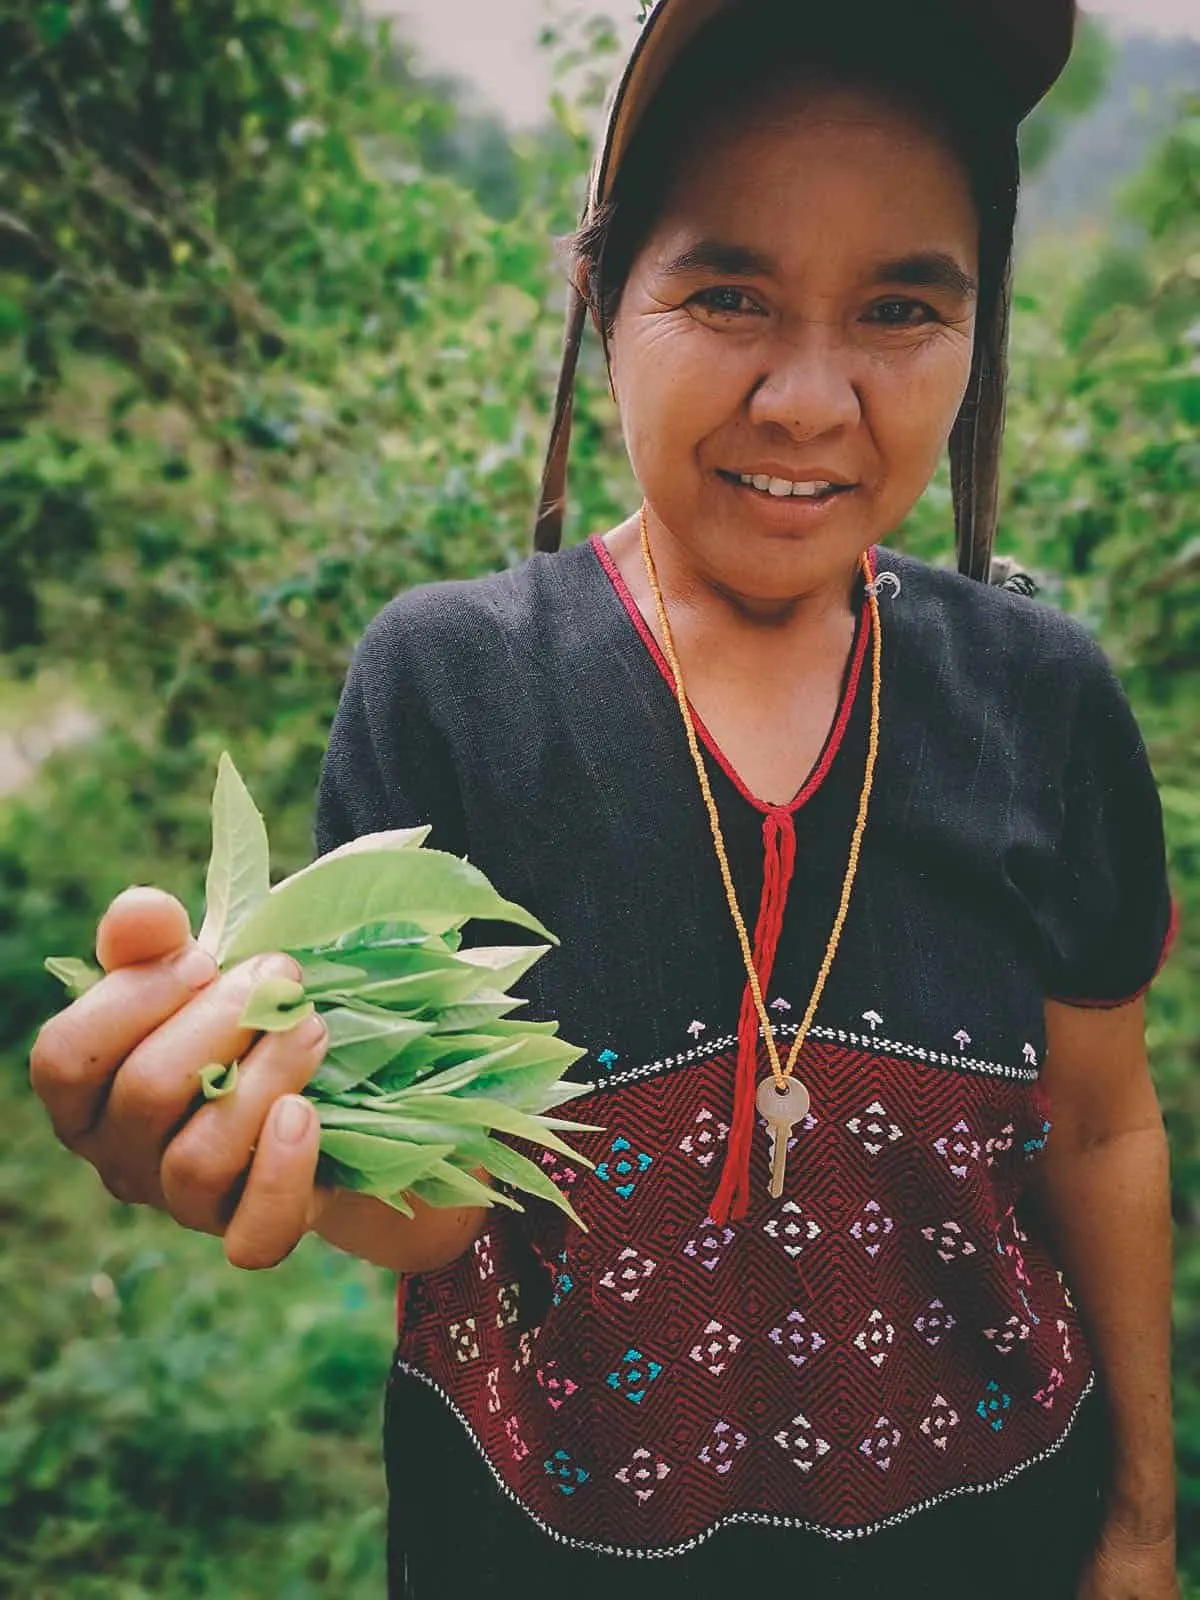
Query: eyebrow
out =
(932, 269)
(926, 269)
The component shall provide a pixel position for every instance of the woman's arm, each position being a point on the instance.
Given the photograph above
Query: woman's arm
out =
(1103, 1185)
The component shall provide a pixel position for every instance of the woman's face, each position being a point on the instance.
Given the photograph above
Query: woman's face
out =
(801, 318)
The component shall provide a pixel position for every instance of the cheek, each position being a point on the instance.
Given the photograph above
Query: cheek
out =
(915, 400)
(673, 387)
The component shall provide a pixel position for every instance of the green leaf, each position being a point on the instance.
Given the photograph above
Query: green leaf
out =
(217, 1080)
(511, 1167)
(275, 1005)
(380, 1166)
(436, 891)
(495, 1114)
(413, 979)
(362, 1039)
(375, 936)
(76, 976)
(504, 963)
(239, 866)
(449, 1185)
(488, 1005)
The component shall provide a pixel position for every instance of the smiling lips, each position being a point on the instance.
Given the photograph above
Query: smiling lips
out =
(787, 488)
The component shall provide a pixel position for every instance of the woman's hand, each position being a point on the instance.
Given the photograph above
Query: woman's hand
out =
(1128, 1566)
(118, 1073)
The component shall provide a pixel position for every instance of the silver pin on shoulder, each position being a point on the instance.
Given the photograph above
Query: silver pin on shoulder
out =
(885, 580)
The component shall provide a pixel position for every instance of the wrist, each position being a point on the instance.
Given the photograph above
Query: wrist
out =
(1142, 1517)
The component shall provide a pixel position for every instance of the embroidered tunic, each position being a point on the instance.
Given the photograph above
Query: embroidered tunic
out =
(888, 1345)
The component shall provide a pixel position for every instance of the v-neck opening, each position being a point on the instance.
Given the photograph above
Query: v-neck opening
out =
(837, 728)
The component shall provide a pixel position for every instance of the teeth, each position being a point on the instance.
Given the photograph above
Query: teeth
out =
(780, 488)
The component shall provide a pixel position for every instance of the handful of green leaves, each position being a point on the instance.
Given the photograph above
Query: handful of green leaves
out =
(424, 1066)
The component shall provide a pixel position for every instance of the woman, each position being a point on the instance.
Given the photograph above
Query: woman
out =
(873, 1295)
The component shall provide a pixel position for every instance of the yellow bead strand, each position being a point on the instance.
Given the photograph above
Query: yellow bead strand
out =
(780, 1072)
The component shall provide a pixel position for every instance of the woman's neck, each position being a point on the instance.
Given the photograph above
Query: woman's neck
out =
(708, 610)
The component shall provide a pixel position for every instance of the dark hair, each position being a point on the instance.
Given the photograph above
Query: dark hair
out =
(925, 60)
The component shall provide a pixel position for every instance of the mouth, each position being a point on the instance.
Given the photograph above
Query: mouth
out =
(816, 491)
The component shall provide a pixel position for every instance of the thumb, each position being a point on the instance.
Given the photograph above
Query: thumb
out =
(142, 924)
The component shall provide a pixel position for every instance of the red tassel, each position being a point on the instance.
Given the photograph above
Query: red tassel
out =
(779, 861)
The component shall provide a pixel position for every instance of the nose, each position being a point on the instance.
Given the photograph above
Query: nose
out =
(811, 383)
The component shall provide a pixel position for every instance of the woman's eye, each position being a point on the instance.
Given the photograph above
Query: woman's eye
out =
(724, 301)
(901, 313)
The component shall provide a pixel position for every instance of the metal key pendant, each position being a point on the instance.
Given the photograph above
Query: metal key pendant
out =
(782, 1109)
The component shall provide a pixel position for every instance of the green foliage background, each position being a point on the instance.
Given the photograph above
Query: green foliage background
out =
(278, 333)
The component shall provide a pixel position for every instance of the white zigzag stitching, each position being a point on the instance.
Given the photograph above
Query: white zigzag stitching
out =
(892, 1047)
(758, 1518)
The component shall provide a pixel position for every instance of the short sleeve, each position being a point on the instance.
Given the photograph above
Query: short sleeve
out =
(1108, 920)
(386, 764)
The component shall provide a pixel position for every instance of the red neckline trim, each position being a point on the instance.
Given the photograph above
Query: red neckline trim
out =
(840, 722)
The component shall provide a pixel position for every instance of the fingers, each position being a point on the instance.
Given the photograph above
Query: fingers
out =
(277, 1205)
(207, 1159)
(158, 1083)
(142, 924)
(77, 1052)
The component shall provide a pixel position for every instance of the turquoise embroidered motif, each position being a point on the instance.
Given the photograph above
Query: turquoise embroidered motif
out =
(634, 1376)
(993, 1406)
(625, 1170)
(569, 1474)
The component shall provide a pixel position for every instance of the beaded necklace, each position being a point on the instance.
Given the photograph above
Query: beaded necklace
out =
(791, 1099)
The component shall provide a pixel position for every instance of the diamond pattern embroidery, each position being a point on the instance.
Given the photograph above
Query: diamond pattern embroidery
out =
(938, 1421)
(796, 1338)
(525, 1348)
(627, 1277)
(874, 1129)
(722, 1446)
(875, 1340)
(483, 1257)
(704, 1136)
(558, 1387)
(932, 1323)
(1009, 1336)
(563, 1281)
(958, 1148)
(717, 1347)
(568, 1475)
(557, 1170)
(463, 1340)
(881, 1443)
(512, 1432)
(507, 1296)
(999, 1144)
(871, 1227)
(791, 1229)
(1045, 1395)
(708, 1245)
(950, 1240)
(623, 1167)
(633, 1376)
(643, 1473)
(994, 1406)
(802, 1443)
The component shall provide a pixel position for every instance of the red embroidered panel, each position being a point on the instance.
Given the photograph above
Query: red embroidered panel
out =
(881, 1336)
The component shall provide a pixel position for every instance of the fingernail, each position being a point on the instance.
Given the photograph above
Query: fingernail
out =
(279, 966)
(311, 1031)
(195, 967)
(292, 1117)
